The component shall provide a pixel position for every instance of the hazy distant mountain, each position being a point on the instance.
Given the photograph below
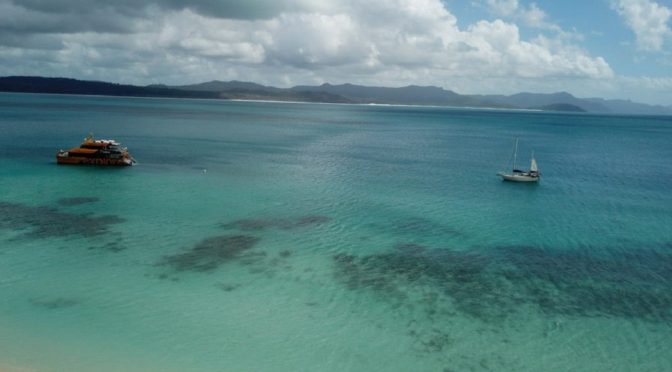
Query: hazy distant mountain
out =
(347, 93)
(221, 86)
(429, 95)
(344, 93)
(31, 84)
(536, 100)
(252, 91)
(406, 95)
(626, 106)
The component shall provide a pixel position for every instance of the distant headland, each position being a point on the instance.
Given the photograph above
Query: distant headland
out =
(328, 93)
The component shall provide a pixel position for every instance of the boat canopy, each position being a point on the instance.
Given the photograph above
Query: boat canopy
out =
(80, 150)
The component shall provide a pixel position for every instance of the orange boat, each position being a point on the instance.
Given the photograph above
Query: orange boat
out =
(96, 152)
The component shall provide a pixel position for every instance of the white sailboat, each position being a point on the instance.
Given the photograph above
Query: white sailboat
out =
(517, 175)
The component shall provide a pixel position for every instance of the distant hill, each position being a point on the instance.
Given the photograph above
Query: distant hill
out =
(345, 93)
(629, 107)
(252, 91)
(31, 84)
(412, 94)
(536, 100)
(428, 95)
(221, 86)
(328, 93)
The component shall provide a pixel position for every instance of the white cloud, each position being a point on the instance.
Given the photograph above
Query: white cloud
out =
(648, 20)
(654, 90)
(535, 17)
(503, 8)
(315, 40)
(501, 52)
(380, 42)
(530, 15)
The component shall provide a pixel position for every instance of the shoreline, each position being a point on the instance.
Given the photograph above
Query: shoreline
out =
(388, 105)
(470, 108)
(296, 102)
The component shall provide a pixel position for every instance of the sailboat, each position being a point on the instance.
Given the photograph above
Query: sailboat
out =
(518, 175)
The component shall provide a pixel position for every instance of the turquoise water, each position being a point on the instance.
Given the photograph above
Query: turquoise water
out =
(260, 236)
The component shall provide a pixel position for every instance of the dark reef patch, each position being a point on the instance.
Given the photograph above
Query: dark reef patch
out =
(211, 253)
(435, 341)
(254, 224)
(47, 222)
(493, 284)
(311, 220)
(114, 247)
(423, 226)
(228, 287)
(67, 202)
(633, 284)
(459, 275)
(55, 303)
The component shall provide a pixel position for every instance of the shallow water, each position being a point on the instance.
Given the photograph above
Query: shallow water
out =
(267, 236)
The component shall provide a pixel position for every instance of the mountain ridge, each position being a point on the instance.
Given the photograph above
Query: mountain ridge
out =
(330, 93)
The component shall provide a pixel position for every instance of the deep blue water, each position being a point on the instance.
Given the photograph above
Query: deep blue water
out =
(275, 236)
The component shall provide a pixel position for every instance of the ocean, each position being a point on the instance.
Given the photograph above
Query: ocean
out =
(259, 236)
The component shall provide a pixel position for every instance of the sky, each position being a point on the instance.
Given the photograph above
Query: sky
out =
(590, 48)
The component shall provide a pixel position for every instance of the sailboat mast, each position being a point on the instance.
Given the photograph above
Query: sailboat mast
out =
(515, 154)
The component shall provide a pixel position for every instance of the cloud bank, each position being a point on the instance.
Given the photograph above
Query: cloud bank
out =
(648, 20)
(378, 42)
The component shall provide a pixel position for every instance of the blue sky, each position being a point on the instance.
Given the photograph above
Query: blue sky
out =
(598, 48)
(600, 27)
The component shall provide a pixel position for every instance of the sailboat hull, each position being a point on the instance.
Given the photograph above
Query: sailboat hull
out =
(518, 177)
